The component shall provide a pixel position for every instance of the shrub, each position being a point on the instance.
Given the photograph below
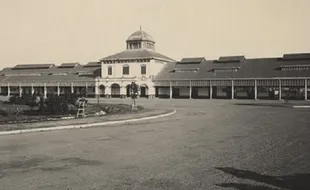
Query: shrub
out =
(26, 99)
(55, 104)
(4, 112)
(13, 99)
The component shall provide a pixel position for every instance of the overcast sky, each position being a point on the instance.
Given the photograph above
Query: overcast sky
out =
(57, 31)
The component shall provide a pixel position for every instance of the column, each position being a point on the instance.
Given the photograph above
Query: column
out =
(86, 90)
(108, 92)
(306, 89)
(211, 89)
(255, 89)
(72, 88)
(9, 90)
(32, 89)
(45, 91)
(280, 90)
(151, 92)
(170, 91)
(97, 90)
(58, 89)
(20, 90)
(123, 92)
(190, 89)
(232, 90)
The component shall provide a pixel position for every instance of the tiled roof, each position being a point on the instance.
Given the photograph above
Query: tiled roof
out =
(52, 74)
(93, 64)
(136, 54)
(296, 56)
(192, 60)
(249, 68)
(68, 65)
(33, 66)
(48, 78)
(230, 59)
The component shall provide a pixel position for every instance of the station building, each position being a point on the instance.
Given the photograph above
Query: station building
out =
(229, 77)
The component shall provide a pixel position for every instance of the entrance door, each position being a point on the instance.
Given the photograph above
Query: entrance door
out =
(175, 92)
(128, 91)
(143, 92)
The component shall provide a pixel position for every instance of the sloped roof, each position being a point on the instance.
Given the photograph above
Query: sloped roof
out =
(68, 65)
(136, 54)
(296, 56)
(33, 66)
(249, 68)
(227, 59)
(48, 78)
(10, 75)
(191, 60)
(93, 64)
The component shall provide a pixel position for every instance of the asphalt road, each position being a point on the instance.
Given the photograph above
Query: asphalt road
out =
(205, 145)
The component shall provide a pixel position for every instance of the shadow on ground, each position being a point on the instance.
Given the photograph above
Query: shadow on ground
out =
(291, 182)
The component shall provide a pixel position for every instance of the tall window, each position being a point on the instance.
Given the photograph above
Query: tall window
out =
(109, 70)
(143, 69)
(125, 70)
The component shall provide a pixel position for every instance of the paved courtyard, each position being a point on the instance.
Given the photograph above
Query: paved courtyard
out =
(205, 145)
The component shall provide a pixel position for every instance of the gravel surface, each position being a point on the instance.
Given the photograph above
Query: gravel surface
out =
(205, 145)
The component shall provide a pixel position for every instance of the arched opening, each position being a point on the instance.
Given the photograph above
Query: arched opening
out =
(128, 90)
(115, 90)
(144, 90)
(101, 90)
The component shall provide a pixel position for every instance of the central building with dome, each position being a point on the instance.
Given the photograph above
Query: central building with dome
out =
(139, 62)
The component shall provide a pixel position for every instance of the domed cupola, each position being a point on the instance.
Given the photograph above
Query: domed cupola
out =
(140, 40)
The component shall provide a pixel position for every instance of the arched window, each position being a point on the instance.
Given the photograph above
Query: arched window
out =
(109, 70)
(143, 69)
(126, 69)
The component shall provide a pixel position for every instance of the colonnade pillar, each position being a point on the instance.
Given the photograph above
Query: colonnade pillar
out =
(280, 90)
(72, 88)
(306, 89)
(170, 91)
(190, 89)
(255, 89)
(232, 90)
(32, 89)
(45, 90)
(20, 90)
(9, 90)
(58, 89)
(211, 89)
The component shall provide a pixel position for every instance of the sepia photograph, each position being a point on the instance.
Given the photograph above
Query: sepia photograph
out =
(154, 95)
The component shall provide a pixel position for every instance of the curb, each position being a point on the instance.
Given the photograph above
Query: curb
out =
(301, 106)
(86, 125)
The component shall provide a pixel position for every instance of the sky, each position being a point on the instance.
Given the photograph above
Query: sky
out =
(60, 31)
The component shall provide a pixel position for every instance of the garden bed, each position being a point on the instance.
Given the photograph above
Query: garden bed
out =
(26, 115)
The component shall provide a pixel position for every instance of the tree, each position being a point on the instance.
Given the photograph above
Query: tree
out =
(134, 90)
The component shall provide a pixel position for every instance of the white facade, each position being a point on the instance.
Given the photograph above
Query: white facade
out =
(139, 63)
